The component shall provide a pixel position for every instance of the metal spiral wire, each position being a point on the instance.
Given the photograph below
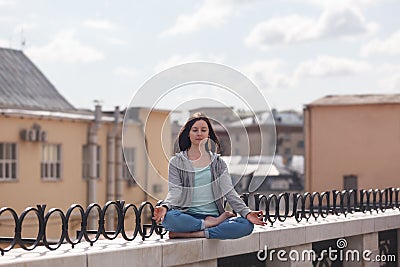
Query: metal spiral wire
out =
(276, 208)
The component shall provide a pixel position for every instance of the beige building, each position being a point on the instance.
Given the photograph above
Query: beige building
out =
(52, 153)
(352, 141)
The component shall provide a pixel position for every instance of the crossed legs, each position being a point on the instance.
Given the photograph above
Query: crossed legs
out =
(226, 226)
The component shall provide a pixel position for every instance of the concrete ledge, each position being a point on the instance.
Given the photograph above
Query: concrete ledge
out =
(182, 251)
(214, 249)
(200, 251)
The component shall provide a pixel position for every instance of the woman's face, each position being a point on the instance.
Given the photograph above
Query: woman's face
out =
(198, 132)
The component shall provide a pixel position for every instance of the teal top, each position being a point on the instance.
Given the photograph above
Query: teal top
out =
(203, 198)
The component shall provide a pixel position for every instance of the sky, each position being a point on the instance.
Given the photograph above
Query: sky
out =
(294, 51)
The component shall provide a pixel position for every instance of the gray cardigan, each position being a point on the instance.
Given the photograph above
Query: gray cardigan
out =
(181, 177)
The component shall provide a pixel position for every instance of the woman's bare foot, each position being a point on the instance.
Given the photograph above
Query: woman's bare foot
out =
(190, 234)
(214, 221)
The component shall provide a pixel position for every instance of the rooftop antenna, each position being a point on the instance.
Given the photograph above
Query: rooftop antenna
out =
(23, 41)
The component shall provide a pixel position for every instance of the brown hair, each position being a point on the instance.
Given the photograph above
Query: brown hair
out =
(183, 137)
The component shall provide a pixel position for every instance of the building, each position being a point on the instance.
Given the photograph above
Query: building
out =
(175, 129)
(352, 141)
(289, 134)
(221, 115)
(263, 175)
(263, 133)
(53, 153)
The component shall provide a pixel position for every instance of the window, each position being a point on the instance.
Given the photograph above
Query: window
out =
(280, 185)
(86, 161)
(286, 137)
(300, 144)
(8, 161)
(287, 151)
(128, 170)
(280, 141)
(50, 168)
(350, 182)
(157, 188)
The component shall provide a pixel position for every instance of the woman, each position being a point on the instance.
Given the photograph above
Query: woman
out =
(198, 182)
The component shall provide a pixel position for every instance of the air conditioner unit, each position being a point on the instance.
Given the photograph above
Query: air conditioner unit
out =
(24, 135)
(32, 135)
(42, 136)
(28, 135)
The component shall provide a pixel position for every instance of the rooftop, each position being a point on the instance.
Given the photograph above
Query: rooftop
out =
(281, 118)
(23, 85)
(356, 100)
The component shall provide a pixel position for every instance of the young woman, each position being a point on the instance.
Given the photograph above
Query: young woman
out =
(198, 182)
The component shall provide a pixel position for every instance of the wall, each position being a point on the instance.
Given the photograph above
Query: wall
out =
(363, 140)
(30, 189)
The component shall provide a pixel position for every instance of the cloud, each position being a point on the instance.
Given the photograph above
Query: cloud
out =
(4, 43)
(116, 41)
(324, 66)
(391, 78)
(99, 24)
(126, 71)
(333, 23)
(8, 3)
(291, 29)
(267, 74)
(345, 22)
(326, 4)
(65, 48)
(179, 59)
(390, 46)
(24, 27)
(7, 19)
(211, 13)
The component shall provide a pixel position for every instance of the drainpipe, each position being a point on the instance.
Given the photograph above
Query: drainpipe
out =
(111, 150)
(146, 158)
(92, 146)
(307, 148)
(134, 115)
(119, 166)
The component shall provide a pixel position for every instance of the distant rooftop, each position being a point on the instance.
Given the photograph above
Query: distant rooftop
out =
(287, 118)
(23, 85)
(356, 100)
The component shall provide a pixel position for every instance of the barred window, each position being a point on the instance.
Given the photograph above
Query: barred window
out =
(86, 161)
(8, 161)
(128, 170)
(50, 167)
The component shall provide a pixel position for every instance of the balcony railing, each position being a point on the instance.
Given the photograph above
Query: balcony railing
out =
(276, 208)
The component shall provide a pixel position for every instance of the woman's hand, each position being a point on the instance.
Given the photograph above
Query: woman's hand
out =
(255, 217)
(159, 213)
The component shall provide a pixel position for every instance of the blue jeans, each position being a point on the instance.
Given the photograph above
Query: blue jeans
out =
(231, 228)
